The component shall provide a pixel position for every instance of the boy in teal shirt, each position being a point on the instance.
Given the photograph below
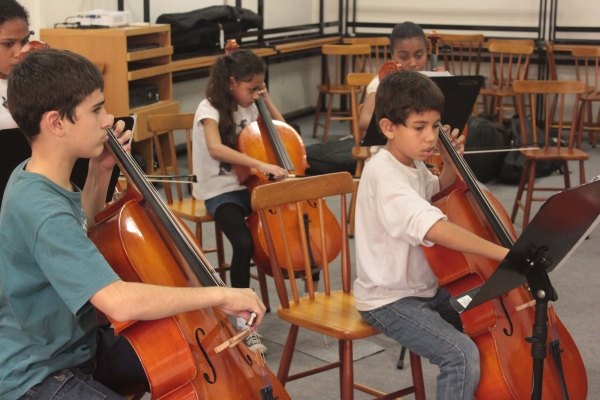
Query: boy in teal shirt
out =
(52, 277)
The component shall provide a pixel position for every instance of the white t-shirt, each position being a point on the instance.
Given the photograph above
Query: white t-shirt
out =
(215, 177)
(393, 215)
(374, 84)
(6, 120)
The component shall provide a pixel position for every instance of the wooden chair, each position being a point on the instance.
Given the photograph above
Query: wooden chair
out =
(509, 63)
(559, 153)
(380, 49)
(462, 56)
(187, 207)
(331, 312)
(340, 60)
(587, 69)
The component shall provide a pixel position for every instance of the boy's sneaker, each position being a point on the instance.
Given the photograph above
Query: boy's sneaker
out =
(254, 344)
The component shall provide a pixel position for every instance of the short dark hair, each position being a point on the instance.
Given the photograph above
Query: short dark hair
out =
(49, 80)
(10, 9)
(407, 30)
(405, 92)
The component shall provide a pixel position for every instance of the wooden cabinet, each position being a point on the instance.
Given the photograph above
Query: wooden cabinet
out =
(130, 55)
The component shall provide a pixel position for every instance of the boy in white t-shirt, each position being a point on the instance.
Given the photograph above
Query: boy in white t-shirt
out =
(396, 291)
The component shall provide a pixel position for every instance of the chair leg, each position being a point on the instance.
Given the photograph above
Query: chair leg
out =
(519, 196)
(529, 195)
(566, 176)
(590, 120)
(352, 210)
(317, 113)
(580, 115)
(417, 375)
(346, 370)
(328, 117)
(288, 354)
(262, 281)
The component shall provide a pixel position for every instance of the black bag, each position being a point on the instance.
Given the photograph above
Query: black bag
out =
(514, 163)
(484, 134)
(326, 158)
(199, 30)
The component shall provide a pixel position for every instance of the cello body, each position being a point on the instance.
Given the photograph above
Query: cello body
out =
(275, 142)
(177, 352)
(506, 363)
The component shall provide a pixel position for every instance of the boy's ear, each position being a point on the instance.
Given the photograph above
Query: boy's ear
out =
(52, 122)
(386, 127)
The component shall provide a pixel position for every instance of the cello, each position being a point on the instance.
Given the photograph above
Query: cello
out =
(150, 244)
(276, 142)
(500, 326)
(144, 241)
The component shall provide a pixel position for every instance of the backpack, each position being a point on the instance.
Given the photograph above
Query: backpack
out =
(514, 163)
(484, 134)
(329, 157)
(198, 31)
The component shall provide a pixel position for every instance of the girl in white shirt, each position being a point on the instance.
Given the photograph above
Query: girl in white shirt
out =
(236, 80)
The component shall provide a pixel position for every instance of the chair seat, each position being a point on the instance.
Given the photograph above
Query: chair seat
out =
(336, 89)
(191, 209)
(334, 316)
(554, 153)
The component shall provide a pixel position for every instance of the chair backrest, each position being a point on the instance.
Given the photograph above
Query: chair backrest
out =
(380, 49)
(358, 80)
(551, 61)
(509, 63)
(162, 127)
(273, 199)
(587, 67)
(462, 53)
(528, 42)
(341, 59)
(563, 90)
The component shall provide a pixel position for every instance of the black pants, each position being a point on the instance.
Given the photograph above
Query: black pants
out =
(231, 218)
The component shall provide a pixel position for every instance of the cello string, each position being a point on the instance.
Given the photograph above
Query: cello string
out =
(475, 188)
(151, 190)
(281, 152)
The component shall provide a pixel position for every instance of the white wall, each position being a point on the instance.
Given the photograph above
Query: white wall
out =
(293, 84)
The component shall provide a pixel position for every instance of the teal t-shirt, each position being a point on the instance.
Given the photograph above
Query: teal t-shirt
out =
(49, 270)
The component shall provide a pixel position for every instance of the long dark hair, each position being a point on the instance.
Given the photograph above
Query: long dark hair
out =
(240, 65)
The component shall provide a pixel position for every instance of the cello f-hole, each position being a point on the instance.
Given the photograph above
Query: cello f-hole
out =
(507, 333)
(210, 364)
(313, 204)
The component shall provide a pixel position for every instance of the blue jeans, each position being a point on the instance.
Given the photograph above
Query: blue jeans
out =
(116, 364)
(430, 328)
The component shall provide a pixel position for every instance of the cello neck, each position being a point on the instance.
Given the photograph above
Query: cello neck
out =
(203, 272)
(470, 180)
(281, 153)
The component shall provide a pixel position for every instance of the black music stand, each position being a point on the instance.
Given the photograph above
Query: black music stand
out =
(547, 242)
